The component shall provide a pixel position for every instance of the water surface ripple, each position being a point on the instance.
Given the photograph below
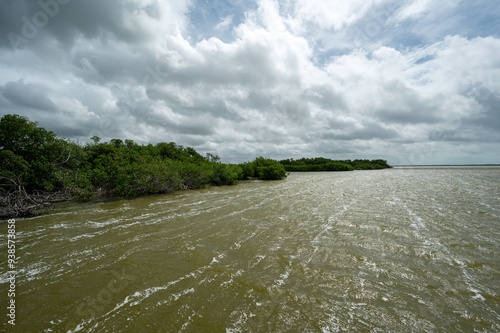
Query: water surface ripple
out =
(401, 250)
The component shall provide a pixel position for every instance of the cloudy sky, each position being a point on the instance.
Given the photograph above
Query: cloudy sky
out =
(410, 81)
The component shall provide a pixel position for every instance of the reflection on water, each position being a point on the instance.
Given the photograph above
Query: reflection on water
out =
(392, 250)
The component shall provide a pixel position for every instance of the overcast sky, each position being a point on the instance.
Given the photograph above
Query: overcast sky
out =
(410, 81)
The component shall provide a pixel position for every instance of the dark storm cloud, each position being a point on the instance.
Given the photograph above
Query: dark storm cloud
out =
(69, 20)
(33, 96)
(369, 131)
(404, 105)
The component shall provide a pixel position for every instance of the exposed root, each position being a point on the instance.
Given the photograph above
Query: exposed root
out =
(17, 202)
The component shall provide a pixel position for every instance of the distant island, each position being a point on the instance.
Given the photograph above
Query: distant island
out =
(324, 164)
(38, 169)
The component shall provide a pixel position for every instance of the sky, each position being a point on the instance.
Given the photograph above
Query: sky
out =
(409, 81)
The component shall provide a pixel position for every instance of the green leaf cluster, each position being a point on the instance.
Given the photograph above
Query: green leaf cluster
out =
(30, 155)
(268, 169)
(324, 164)
(369, 164)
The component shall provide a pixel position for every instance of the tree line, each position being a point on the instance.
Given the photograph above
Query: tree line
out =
(325, 164)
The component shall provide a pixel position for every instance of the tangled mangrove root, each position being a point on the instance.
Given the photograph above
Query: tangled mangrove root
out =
(18, 203)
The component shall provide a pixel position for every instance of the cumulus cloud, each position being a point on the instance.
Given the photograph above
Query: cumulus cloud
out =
(289, 78)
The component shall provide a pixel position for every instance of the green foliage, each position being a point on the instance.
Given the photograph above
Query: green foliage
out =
(225, 174)
(324, 164)
(248, 170)
(369, 164)
(272, 172)
(268, 169)
(193, 175)
(212, 158)
(12, 166)
(35, 153)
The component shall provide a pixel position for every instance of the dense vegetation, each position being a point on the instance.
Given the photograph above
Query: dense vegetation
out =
(324, 164)
(37, 167)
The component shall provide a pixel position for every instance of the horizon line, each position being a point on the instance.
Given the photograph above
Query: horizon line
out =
(415, 165)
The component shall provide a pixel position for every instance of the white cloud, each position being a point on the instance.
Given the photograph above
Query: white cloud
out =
(414, 9)
(269, 90)
(335, 14)
(224, 24)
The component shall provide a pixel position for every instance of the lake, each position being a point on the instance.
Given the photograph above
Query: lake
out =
(402, 250)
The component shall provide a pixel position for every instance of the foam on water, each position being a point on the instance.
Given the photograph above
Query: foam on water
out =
(392, 250)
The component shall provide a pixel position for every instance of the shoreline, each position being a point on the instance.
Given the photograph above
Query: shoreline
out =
(29, 204)
(36, 204)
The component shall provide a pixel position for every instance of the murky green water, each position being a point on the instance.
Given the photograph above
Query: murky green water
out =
(401, 250)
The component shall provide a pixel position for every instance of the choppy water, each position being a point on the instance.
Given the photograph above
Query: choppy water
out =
(401, 250)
